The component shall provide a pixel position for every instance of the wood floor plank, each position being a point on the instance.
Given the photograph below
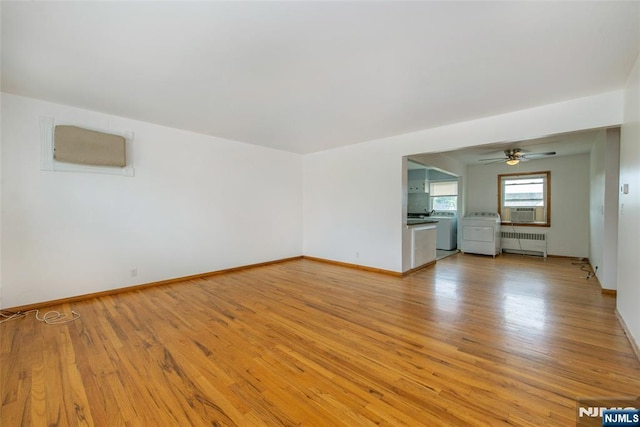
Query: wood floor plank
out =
(471, 341)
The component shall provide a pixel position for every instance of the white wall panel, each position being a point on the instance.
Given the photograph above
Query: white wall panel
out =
(353, 196)
(196, 204)
(629, 208)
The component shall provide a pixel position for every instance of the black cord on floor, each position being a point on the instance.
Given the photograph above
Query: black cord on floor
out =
(586, 267)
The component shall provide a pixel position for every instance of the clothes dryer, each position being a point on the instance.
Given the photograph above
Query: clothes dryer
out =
(481, 233)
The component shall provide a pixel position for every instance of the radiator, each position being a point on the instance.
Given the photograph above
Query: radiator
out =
(524, 242)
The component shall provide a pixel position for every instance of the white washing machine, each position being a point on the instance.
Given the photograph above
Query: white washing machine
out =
(481, 233)
(447, 229)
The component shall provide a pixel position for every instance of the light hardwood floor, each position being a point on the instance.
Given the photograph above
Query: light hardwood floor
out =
(471, 341)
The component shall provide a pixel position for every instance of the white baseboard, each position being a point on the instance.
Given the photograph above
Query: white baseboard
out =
(627, 331)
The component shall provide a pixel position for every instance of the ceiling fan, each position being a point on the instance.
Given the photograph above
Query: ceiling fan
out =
(515, 155)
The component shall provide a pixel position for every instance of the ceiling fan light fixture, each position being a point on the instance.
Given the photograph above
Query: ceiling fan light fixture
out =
(516, 155)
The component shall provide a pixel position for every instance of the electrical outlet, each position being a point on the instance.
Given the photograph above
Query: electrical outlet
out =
(357, 254)
(133, 272)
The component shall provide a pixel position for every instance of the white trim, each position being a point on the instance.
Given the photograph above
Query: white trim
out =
(48, 163)
(627, 332)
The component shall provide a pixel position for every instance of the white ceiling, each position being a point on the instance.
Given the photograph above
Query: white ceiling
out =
(310, 76)
(568, 144)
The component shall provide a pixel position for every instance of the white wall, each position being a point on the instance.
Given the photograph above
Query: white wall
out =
(196, 204)
(609, 275)
(629, 208)
(596, 198)
(353, 196)
(603, 201)
(1, 185)
(569, 231)
(217, 203)
(345, 211)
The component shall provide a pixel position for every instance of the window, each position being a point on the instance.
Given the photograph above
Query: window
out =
(523, 199)
(444, 195)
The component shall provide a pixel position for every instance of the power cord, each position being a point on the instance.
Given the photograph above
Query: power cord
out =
(586, 267)
(517, 236)
(50, 317)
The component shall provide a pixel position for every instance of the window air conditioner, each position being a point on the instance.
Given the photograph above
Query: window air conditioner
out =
(522, 215)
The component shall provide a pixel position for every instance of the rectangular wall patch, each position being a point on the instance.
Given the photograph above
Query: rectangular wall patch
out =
(87, 147)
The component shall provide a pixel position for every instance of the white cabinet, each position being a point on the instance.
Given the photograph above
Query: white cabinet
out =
(418, 186)
(423, 245)
(418, 181)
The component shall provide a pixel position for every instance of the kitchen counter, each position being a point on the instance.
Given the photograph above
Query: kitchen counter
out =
(421, 221)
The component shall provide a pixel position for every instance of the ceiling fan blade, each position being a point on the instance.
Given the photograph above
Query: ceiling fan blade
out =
(491, 160)
(533, 155)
